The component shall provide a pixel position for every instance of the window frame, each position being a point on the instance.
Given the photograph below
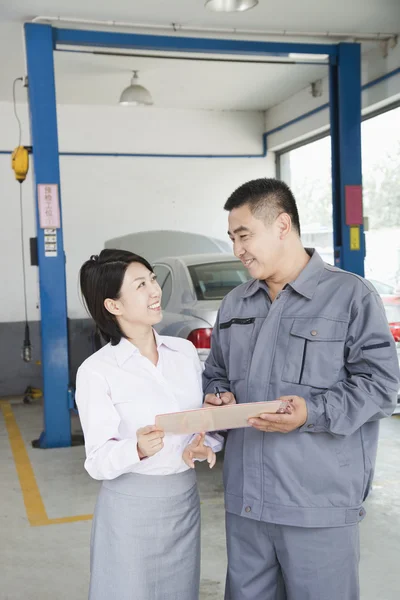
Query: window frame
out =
(169, 274)
(327, 132)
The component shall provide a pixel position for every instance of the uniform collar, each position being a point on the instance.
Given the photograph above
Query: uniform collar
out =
(305, 284)
(125, 349)
(308, 280)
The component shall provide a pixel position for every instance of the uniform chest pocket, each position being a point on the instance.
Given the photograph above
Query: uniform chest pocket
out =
(236, 336)
(315, 352)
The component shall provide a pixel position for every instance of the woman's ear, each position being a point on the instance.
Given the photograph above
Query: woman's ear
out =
(113, 306)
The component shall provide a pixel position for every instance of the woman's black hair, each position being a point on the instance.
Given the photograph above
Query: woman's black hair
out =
(101, 277)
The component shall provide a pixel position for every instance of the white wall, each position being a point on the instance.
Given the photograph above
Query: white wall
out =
(104, 197)
(374, 65)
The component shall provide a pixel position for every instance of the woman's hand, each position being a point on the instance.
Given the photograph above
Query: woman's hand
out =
(149, 441)
(197, 449)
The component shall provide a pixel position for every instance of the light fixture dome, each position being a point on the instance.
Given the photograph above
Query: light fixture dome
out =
(230, 5)
(135, 94)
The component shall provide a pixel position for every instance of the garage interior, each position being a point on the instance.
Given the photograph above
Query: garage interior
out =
(235, 96)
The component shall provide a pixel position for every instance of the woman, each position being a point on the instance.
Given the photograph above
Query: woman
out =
(146, 528)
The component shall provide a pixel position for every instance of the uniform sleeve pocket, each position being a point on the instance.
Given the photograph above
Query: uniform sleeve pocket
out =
(381, 359)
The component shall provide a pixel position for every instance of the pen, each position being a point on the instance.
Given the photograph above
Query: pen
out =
(217, 393)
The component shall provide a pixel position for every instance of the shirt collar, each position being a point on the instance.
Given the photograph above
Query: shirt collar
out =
(125, 349)
(306, 282)
(162, 340)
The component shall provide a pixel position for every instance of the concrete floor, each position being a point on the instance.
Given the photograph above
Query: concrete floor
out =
(50, 562)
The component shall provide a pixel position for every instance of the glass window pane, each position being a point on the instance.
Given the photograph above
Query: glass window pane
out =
(307, 170)
(165, 282)
(166, 291)
(381, 183)
(162, 273)
(212, 281)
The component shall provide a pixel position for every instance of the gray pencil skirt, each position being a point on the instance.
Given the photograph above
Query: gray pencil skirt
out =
(145, 542)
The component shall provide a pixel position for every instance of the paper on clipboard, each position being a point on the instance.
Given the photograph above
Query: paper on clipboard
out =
(216, 418)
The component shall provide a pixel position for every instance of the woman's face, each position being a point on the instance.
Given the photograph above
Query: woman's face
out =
(140, 298)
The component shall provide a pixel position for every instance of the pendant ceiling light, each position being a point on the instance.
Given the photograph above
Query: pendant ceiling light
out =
(135, 94)
(230, 5)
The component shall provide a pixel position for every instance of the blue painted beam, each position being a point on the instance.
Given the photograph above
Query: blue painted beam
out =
(164, 43)
(53, 306)
(345, 100)
(200, 59)
(325, 106)
(383, 77)
(335, 164)
(306, 115)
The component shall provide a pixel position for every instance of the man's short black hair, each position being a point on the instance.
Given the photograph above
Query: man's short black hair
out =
(266, 198)
(101, 277)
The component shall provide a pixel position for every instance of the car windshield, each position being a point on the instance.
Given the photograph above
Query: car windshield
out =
(212, 281)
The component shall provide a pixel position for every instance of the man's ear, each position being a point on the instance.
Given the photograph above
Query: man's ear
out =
(284, 223)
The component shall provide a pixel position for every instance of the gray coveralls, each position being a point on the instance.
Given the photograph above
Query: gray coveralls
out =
(293, 501)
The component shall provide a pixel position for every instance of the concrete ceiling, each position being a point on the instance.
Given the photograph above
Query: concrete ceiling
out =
(99, 79)
(180, 84)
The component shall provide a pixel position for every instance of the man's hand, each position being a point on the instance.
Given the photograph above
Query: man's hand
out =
(197, 449)
(283, 423)
(213, 400)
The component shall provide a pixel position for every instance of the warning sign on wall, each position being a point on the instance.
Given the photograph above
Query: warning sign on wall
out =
(355, 237)
(49, 207)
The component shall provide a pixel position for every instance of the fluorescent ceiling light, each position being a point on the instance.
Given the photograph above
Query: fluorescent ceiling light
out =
(230, 5)
(316, 57)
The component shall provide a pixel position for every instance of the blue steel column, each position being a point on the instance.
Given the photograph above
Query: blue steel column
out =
(345, 113)
(53, 303)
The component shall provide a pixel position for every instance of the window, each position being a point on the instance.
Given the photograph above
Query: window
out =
(382, 288)
(164, 279)
(308, 172)
(381, 181)
(166, 291)
(212, 281)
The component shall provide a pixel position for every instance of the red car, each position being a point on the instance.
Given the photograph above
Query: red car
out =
(391, 299)
(392, 308)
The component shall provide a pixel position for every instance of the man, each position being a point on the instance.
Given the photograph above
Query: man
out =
(317, 336)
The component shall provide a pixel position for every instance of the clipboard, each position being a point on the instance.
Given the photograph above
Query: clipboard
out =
(216, 418)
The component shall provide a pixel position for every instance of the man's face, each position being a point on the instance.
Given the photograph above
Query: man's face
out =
(256, 243)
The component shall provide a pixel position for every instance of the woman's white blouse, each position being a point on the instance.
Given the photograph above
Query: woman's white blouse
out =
(118, 391)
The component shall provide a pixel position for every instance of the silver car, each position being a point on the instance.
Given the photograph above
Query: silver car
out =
(193, 287)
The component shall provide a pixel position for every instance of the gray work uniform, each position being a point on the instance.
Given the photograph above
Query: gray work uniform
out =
(325, 338)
